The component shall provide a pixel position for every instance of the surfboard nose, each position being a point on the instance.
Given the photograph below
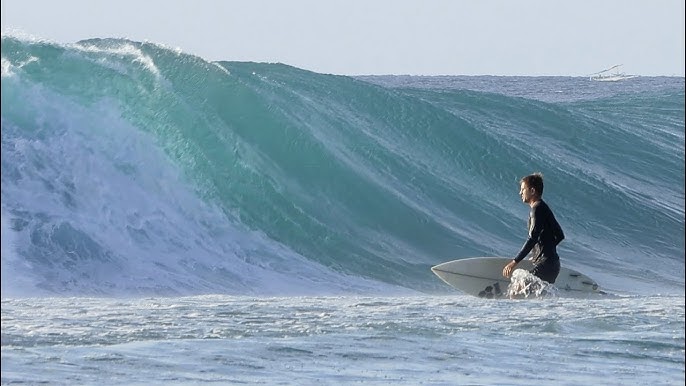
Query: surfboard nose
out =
(442, 274)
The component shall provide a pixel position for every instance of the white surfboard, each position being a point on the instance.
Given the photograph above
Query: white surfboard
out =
(482, 277)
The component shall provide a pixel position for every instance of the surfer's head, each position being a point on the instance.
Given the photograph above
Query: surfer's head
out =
(531, 187)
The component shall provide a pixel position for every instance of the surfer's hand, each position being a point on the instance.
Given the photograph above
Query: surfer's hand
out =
(507, 271)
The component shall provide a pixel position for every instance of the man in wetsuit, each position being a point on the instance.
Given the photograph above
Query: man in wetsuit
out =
(544, 232)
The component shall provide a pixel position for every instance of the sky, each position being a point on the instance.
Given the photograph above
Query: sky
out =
(365, 37)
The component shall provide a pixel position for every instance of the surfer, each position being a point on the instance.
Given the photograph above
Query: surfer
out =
(544, 232)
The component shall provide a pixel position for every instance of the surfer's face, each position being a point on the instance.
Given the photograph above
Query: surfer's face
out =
(526, 193)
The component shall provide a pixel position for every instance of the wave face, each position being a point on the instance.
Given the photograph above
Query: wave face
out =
(132, 169)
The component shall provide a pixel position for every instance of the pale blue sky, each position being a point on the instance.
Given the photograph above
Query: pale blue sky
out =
(353, 37)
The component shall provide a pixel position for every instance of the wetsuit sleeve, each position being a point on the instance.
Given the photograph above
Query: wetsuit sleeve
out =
(559, 234)
(535, 229)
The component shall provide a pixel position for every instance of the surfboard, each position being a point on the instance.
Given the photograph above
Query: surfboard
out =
(482, 277)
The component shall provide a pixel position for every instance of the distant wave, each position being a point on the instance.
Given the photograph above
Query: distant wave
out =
(129, 168)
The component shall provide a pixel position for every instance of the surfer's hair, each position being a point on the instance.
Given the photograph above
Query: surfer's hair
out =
(534, 181)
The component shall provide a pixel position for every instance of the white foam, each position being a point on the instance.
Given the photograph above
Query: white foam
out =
(87, 175)
(523, 284)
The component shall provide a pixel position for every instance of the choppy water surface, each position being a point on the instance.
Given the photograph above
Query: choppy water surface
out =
(343, 340)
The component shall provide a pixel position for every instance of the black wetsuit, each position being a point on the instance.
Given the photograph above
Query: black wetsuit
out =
(544, 235)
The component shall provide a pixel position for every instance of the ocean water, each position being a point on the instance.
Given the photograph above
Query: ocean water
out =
(166, 219)
(431, 340)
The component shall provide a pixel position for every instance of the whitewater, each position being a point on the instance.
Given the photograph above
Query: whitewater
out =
(166, 219)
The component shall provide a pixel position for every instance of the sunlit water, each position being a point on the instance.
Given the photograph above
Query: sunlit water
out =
(136, 179)
(441, 340)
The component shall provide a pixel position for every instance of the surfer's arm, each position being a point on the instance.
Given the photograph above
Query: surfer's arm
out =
(535, 229)
(526, 248)
(559, 234)
(507, 271)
